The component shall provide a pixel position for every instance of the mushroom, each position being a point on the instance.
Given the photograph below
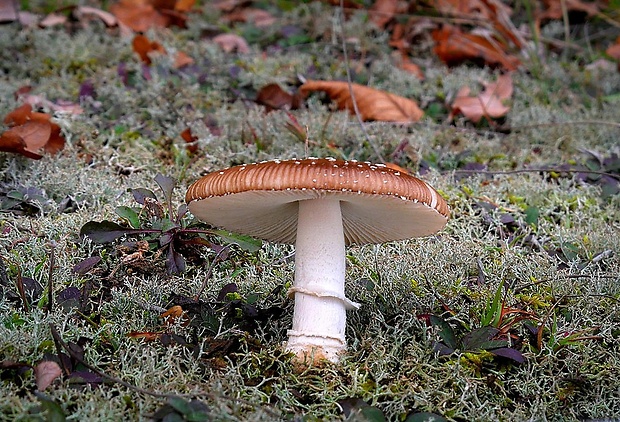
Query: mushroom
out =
(320, 205)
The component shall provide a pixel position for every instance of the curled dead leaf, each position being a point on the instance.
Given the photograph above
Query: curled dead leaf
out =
(372, 104)
(173, 314)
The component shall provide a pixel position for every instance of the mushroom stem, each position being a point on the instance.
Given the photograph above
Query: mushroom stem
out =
(319, 317)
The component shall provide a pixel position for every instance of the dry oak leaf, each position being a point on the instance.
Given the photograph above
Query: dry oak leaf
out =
(45, 373)
(492, 11)
(382, 11)
(30, 132)
(489, 103)
(259, 17)
(273, 97)
(453, 47)
(182, 59)
(145, 48)
(232, 42)
(190, 140)
(554, 9)
(613, 51)
(372, 104)
(141, 15)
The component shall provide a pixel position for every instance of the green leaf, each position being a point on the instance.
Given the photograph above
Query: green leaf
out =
(425, 417)
(479, 339)
(531, 216)
(445, 332)
(494, 309)
(180, 405)
(358, 410)
(164, 225)
(128, 214)
(246, 243)
(104, 231)
(570, 251)
(54, 411)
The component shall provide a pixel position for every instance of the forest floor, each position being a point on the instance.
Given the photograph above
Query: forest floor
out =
(528, 263)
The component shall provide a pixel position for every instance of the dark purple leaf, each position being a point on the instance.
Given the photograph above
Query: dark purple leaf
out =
(442, 349)
(87, 377)
(86, 265)
(234, 71)
(510, 353)
(87, 90)
(123, 73)
(166, 183)
(104, 231)
(139, 194)
(31, 287)
(181, 211)
(175, 263)
(507, 219)
(70, 293)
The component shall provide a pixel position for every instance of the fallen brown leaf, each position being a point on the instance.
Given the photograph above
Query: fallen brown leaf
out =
(273, 97)
(382, 11)
(138, 16)
(190, 140)
(30, 133)
(8, 11)
(259, 17)
(453, 47)
(232, 42)
(107, 18)
(489, 103)
(145, 335)
(372, 104)
(145, 48)
(182, 59)
(45, 373)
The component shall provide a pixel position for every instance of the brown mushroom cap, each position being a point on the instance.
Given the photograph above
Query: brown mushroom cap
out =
(378, 204)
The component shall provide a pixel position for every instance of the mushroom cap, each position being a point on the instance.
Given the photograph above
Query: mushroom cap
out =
(378, 204)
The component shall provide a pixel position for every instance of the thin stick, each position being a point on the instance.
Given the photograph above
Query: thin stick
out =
(350, 83)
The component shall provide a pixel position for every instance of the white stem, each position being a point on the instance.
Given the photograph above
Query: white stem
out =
(319, 318)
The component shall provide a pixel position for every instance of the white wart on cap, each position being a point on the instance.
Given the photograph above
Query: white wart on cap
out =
(320, 205)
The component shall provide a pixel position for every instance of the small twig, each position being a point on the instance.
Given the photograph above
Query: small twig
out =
(540, 170)
(569, 122)
(210, 271)
(50, 277)
(350, 83)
